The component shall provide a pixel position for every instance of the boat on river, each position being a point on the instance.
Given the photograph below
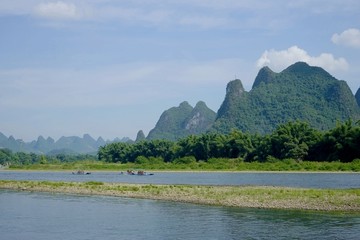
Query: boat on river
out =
(81, 172)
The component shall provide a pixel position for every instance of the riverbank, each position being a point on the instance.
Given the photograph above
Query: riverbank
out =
(343, 200)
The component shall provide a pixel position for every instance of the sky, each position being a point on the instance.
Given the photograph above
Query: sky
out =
(111, 68)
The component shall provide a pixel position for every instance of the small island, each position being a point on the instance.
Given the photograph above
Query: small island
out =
(268, 197)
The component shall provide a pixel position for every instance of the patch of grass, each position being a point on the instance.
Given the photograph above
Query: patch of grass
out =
(94, 183)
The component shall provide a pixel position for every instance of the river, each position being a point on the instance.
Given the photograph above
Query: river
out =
(304, 180)
(38, 216)
(26, 215)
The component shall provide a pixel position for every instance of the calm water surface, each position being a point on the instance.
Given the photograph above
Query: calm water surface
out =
(307, 180)
(45, 216)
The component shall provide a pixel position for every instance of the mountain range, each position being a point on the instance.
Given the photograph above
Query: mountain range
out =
(300, 92)
(67, 145)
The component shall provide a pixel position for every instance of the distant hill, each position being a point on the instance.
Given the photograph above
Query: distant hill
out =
(300, 92)
(140, 136)
(68, 145)
(357, 97)
(181, 121)
(13, 144)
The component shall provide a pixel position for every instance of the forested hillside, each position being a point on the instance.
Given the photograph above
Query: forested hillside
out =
(300, 92)
(181, 121)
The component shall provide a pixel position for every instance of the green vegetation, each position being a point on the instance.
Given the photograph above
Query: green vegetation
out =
(235, 196)
(293, 146)
(9, 158)
(300, 92)
(178, 122)
(292, 140)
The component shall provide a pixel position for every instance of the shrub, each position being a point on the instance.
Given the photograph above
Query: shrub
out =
(185, 160)
(141, 160)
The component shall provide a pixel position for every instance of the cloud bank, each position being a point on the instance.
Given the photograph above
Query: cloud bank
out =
(349, 38)
(278, 60)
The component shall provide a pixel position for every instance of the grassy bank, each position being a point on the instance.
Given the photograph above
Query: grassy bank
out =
(234, 196)
(211, 165)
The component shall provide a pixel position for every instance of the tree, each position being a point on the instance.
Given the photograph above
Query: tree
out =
(5, 156)
(340, 143)
(239, 144)
(187, 146)
(42, 159)
(24, 158)
(154, 148)
(115, 152)
(293, 140)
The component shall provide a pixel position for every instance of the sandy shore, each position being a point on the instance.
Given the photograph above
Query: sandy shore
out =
(234, 196)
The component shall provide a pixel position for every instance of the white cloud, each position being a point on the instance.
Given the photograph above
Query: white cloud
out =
(278, 60)
(198, 13)
(349, 37)
(57, 10)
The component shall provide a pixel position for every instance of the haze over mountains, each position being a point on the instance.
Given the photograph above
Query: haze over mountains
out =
(66, 145)
(300, 92)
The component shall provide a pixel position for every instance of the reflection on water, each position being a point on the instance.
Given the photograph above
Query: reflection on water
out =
(55, 216)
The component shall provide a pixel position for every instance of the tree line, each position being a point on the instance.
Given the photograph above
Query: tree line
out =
(8, 157)
(292, 140)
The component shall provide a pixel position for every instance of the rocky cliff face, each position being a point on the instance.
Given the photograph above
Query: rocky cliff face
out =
(200, 119)
(181, 121)
(357, 97)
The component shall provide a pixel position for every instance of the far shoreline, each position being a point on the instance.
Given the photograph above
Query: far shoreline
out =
(175, 171)
(221, 165)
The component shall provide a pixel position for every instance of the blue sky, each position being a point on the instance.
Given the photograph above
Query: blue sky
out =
(110, 68)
